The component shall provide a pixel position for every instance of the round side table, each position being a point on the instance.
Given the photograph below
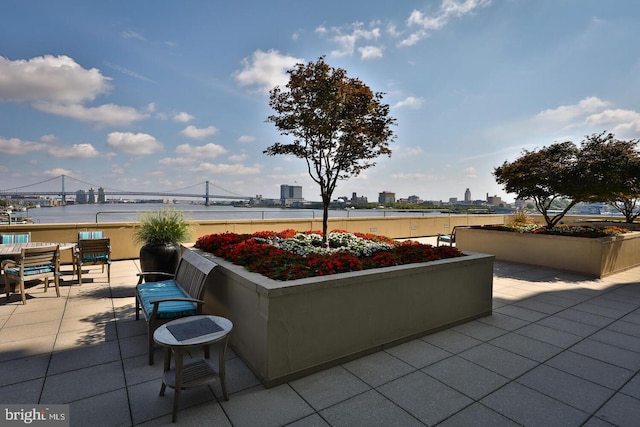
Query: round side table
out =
(187, 333)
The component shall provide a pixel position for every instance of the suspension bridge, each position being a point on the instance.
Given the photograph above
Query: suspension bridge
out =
(103, 192)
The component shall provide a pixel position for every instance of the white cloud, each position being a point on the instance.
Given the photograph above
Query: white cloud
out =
(238, 157)
(266, 70)
(128, 72)
(176, 161)
(226, 169)
(133, 143)
(412, 152)
(16, 146)
(208, 150)
(470, 173)
(354, 33)
(568, 113)
(48, 138)
(616, 116)
(246, 138)
(49, 78)
(107, 114)
(418, 176)
(370, 52)
(623, 123)
(410, 102)
(198, 133)
(426, 24)
(128, 34)
(57, 172)
(80, 151)
(59, 85)
(183, 117)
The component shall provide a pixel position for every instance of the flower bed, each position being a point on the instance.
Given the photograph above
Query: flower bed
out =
(562, 230)
(287, 329)
(590, 250)
(290, 255)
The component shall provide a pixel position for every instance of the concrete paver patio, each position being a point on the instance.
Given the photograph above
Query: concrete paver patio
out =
(559, 349)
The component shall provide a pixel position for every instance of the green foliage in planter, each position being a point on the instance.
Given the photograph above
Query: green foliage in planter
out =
(561, 230)
(162, 226)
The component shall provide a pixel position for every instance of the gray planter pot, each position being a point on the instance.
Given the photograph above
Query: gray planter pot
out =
(163, 257)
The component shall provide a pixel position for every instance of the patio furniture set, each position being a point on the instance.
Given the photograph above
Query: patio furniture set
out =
(171, 307)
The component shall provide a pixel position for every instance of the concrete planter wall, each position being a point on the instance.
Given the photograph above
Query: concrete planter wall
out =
(597, 257)
(285, 330)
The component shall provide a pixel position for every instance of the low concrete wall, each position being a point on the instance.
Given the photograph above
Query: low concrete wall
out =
(285, 330)
(597, 257)
(123, 246)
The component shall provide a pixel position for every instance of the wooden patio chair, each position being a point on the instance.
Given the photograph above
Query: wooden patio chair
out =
(93, 251)
(449, 239)
(42, 262)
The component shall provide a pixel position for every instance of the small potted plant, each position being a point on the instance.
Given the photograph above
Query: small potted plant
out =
(160, 233)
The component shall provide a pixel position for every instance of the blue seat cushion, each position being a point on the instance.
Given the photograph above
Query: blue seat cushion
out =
(90, 235)
(153, 291)
(30, 271)
(15, 238)
(95, 257)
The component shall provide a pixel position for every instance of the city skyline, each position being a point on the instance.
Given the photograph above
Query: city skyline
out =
(158, 96)
(296, 192)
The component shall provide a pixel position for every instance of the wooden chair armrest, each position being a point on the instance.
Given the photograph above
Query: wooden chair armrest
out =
(155, 273)
(7, 262)
(156, 304)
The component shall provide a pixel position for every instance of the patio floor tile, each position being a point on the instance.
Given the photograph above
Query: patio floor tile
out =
(369, 409)
(466, 377)
(425, 398)
(579, 366)
(531, 408)
(591, 369)
(567, 388)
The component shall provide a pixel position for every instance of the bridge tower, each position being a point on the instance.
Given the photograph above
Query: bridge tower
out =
(206, 194)
(63, 194)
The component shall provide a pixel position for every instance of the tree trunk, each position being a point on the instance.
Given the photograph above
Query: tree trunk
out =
(325, 219)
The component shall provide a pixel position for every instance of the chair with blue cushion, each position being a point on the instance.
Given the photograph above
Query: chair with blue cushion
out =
(180, 295)
(7, 238)
(449, 239)
(41, 262)
(93, 251)
(96, 234)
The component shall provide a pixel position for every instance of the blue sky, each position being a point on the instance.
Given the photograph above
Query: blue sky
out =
(164, 95)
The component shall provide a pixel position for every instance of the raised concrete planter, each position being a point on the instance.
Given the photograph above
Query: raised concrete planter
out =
(597, 257)
(286, 330)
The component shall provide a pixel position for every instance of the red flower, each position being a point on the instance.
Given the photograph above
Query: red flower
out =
(278, 264)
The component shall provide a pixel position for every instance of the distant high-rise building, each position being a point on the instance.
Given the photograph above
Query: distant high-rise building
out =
(386, 197)
(101, 197)
(358, 199)
(494, 201)
(290, 194)
(467, 196)
(91, 196)
(81, 196)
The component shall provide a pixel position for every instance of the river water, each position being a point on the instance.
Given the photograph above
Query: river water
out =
(128, 212)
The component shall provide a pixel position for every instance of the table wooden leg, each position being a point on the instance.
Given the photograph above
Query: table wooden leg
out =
(221, 368)
(167, 366)
(178, 390)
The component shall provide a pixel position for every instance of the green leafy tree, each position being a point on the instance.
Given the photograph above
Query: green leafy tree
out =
(339, 126)
(613, 168)
(544, 176)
